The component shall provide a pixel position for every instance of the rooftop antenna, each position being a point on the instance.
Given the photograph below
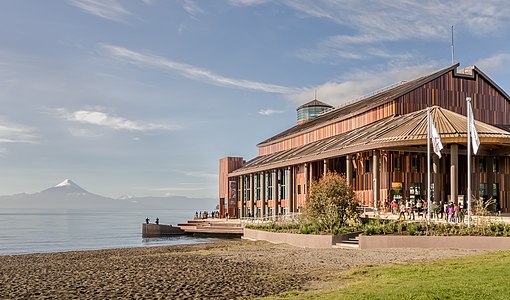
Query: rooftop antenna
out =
(315, 95)
(453, 51)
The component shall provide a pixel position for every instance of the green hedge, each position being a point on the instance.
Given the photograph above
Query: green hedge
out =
(436, 229)
(383, 227)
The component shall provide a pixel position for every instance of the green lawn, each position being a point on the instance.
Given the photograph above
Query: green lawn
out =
(484, 276)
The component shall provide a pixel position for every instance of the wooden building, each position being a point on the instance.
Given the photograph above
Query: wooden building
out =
(380, 144)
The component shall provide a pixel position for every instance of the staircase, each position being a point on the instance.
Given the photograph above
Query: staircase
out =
(212, 227)
(351, 243)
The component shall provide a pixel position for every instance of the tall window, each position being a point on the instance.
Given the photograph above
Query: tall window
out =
(367, 166)
(397, 163)
(282, 182)
(256, 182)
(495, 165)
(482, 164)
(269, 180)
(415, 163)
(247, 188)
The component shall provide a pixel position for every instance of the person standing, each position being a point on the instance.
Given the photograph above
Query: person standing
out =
(402, 211)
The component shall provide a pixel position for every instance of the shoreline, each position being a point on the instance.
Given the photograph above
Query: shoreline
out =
(226, 269)
(192, 241)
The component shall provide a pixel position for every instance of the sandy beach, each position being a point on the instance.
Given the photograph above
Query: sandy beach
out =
(231, 269)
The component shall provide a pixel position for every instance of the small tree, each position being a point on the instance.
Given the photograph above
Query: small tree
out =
(331, 203)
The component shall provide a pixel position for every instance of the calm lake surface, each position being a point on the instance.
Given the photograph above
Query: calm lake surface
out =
(38, 230)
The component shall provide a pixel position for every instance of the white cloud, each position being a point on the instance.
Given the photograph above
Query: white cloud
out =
(114, 122)
(360, 83)
(268, 112)
(246, 2)
(494, 63)
(82, 132)
(13, 133)
(107, 9)
(373, 22)
(192, 72)
(192, 8)
(199, 174)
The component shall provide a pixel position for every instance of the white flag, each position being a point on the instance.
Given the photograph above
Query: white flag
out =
(475, 141)
(436, 140)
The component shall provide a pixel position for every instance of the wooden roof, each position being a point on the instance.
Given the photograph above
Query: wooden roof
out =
(375, 100)
(360, 106)
(392, 132)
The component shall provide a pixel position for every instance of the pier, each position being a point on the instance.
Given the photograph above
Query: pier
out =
(198, 227)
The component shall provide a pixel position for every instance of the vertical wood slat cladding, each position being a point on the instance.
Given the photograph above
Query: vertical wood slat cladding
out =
(450, 91)
(227, 165)
(330, 130)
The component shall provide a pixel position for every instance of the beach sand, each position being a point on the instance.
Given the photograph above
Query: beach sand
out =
(231, 269)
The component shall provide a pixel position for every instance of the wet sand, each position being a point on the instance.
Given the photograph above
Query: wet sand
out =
(232, 269)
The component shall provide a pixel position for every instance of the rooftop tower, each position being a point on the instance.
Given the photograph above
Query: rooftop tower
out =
(311, 110)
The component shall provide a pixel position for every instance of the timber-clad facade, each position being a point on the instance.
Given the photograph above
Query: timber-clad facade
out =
(380, 144)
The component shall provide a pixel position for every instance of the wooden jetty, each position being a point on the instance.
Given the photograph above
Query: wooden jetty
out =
(198, 227)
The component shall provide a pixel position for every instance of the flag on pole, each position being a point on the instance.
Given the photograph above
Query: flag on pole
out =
(436, 140)
(475, 141)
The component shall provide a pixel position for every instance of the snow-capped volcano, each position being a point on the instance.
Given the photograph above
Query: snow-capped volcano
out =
(67, 187)
(67, 182)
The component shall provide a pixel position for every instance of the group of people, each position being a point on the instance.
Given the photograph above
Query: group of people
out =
(450, 212)
(147, 221)
(205, 214)
(408, 207)
(453, 213)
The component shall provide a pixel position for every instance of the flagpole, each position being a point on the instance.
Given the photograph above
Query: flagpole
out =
(468, 100)
(428, 166)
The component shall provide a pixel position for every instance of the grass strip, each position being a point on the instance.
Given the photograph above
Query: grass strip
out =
(474, 277)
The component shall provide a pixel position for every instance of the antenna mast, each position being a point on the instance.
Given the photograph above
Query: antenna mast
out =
(453, 51)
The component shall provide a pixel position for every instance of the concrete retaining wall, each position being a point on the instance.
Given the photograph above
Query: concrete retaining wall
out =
(450, 242)
(297, 240)
(159, 230)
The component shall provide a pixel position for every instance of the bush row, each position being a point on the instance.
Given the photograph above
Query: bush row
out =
(380, 227)
(436, 229)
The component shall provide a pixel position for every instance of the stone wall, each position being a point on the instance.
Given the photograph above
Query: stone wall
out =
(297, 240)
(149, 230)
(447, 242)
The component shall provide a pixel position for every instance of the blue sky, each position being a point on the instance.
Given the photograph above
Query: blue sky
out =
(144, 97)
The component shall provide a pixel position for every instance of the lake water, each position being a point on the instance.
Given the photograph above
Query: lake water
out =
(37, 230)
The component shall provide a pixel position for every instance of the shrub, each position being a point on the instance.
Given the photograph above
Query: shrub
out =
(331, 204)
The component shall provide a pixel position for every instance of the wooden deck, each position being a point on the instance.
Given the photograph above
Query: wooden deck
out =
(222, 227)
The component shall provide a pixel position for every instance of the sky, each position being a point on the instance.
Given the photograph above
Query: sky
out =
(143, 98)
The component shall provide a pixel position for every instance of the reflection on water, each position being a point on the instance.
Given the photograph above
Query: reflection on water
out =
(40, 230)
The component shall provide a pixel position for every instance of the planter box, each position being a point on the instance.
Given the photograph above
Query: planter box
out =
(447, 242)
(297, 240)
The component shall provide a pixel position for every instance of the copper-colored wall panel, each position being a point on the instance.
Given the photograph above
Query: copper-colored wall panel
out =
(227, 165)
(330, 130)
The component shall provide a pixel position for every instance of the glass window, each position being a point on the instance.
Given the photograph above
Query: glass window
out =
(495, 165)
(415, 164)
(483, 164)
(269, 180)
(367, 166)
(247, 188)
(256, 181)
(397, 163)
(282, 181)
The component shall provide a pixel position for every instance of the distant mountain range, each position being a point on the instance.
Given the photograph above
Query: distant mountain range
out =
(69, 195)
